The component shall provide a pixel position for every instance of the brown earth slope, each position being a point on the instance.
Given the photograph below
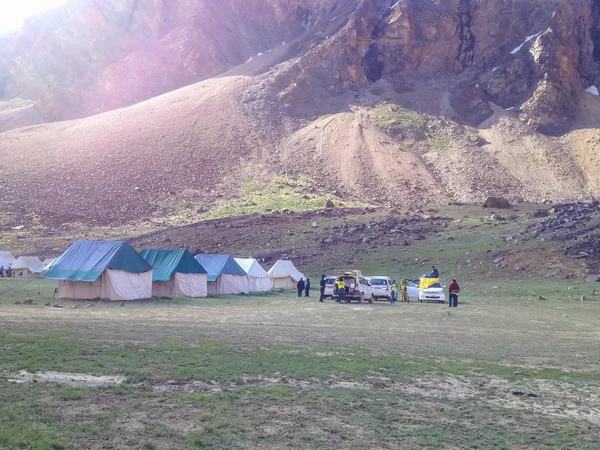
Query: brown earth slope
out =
(369, 102)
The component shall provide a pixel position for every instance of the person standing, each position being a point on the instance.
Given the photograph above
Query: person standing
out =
(300, 287)
(404, 290)
(454, 289)
(394, 293)
(322, 299)
(341, 289)
(307, 287)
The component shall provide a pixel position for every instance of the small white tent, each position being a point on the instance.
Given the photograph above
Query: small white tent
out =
(258, 278)
(284, 275)
(27, 267)
(48, 262)
(6, 259)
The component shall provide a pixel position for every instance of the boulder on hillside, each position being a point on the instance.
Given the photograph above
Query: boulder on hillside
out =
(593, 279)
(496, 202)
(329, 204)
(539, 213)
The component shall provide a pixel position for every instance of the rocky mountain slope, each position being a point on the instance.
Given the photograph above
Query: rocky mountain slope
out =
(90, 56)
(367, 102)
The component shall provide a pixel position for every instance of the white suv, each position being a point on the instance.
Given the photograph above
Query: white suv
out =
(381, 287)
(357, 288)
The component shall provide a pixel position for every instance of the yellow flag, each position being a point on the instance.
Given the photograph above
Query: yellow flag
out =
(427, 283)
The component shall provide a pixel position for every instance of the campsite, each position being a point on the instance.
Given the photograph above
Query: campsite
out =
(179, 179)
(275, 371)
(514, 366)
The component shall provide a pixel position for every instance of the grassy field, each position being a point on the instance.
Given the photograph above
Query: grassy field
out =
(277, 372)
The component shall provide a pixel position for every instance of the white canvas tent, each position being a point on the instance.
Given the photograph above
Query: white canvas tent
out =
(48, 262)
(27, 267)
(101, 269)
(6, 259)
(284, 275)
(258, 278)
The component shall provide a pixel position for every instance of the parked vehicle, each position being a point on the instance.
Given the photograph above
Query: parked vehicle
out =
(434, 293)
(357, 287)
(330, 286)
(413, 290)
(381, 287)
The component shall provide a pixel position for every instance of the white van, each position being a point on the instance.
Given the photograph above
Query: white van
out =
(357, 288)
(381, 287)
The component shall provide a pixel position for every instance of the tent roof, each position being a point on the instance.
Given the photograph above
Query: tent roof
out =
(251, 267)
(283, 269)
(166, 262)
(86, 260)
(216, 265)
(31, 263)
(49, 262)
(6, 259)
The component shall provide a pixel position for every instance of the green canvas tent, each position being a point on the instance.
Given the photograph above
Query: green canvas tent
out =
(176, 273)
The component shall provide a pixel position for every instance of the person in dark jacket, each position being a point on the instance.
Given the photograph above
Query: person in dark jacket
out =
(453, 290)
(300, 287)
(434, 272)
(322, 299)
(307, 287)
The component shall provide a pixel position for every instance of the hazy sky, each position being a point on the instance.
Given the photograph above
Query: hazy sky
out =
(13, 12)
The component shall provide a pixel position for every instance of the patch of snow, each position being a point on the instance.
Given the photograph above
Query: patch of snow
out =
(510, 109)
(495, 68)
(395, 4)
(333, 18)
(249, 59)
(259, 54)
(593, 90)
(283, 43)
(269, 51)
(73, 379)
(527, 39)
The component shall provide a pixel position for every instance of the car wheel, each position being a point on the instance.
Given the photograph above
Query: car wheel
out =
(372, 299)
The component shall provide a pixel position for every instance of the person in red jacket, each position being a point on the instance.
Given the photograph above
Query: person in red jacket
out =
(454, 289)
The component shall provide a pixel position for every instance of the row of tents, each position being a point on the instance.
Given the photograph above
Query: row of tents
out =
(113, 270)
(24, 266)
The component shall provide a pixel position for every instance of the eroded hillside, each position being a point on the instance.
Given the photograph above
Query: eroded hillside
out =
(368, 103)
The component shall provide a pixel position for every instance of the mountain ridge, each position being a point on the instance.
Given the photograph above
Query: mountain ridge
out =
(376, 103)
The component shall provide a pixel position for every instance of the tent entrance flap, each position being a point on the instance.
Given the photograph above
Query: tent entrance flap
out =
(121, 285)
(189, 285)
